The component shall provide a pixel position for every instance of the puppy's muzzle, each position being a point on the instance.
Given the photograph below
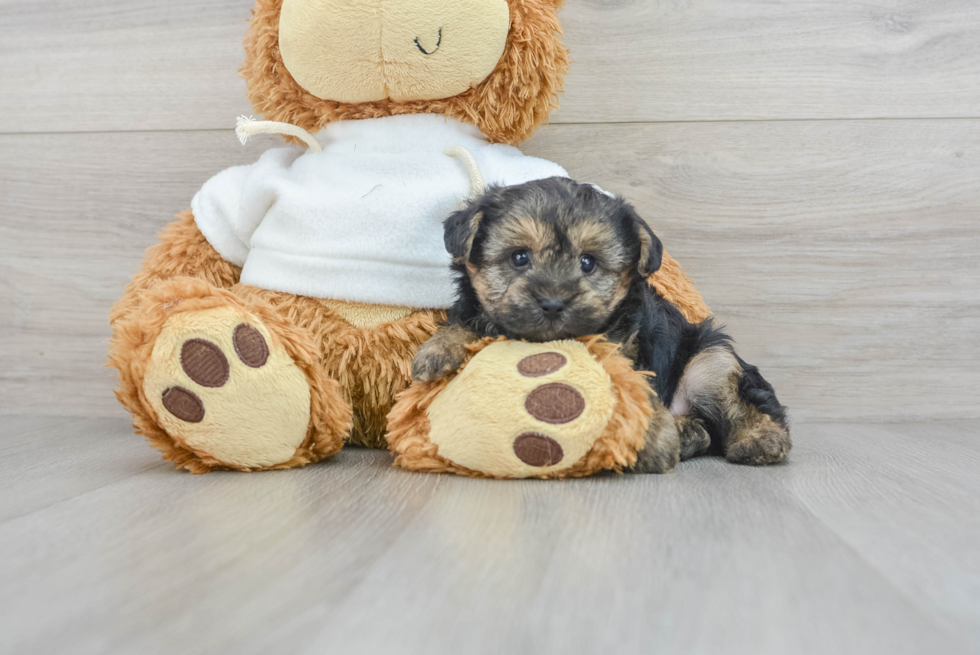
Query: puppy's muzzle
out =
(552, 307)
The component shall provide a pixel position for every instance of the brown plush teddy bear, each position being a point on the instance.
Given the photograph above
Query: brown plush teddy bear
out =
(278, 318)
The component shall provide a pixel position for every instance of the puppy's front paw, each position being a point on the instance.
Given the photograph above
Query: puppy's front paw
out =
(694, 436)
(437, 360)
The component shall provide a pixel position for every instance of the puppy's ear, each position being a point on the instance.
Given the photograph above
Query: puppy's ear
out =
(651, 249)
(460, 230)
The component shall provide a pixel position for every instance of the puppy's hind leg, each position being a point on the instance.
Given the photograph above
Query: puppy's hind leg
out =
(721, 392)
(761, 433)
(699, 405)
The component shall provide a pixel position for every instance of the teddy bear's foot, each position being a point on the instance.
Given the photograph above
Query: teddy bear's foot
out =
(758, 441)
(221, 390)
(519, 410)
(225, 385)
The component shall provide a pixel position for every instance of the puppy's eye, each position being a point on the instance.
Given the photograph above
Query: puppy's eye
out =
(520, 258)
(588, 263)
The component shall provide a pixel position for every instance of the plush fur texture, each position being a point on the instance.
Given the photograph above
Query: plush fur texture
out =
(132, 345)
(354, 368)
(372, 364)
(553, 259)
(210, 390)
(362, 315)
(675, 287)
(507, 106)
(184, 273)
(398, 49)
(503, 416)
(616, 449)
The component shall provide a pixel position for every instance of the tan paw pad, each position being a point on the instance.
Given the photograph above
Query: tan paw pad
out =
(522, 410)
(221, 388)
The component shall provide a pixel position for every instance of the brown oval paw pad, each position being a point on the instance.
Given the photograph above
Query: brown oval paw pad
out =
(204, 363)
(535, 449)
(555, 403)
(183, 404)
(540, 365)
(250, 346)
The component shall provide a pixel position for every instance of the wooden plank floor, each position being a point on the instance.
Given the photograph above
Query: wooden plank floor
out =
(867, 541)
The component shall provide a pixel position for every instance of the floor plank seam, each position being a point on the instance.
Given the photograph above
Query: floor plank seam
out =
(940, 622)
(705, 121)
(85, 493)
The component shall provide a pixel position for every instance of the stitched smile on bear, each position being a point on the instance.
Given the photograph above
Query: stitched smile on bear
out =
(433, 51)
(369, 50)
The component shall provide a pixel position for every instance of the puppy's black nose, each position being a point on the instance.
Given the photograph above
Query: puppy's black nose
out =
(552, 307)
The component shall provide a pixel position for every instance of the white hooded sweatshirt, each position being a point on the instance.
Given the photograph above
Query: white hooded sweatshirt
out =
(362, 220)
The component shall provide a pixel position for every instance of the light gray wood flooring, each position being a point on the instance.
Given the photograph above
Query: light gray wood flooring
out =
(866, 541)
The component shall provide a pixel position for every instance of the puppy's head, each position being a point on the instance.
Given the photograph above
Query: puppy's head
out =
(550, 259)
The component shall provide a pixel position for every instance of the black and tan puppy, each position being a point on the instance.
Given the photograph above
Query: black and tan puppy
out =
(554, 259)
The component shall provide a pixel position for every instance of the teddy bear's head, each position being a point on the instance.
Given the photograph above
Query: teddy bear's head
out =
(498, 64)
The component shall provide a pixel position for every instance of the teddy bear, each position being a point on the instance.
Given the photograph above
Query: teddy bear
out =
(276, 320)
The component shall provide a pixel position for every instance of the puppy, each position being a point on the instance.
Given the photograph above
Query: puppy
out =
(553, 259)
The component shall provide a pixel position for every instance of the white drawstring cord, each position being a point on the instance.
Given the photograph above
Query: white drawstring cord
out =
(248, 126)
(476, 178)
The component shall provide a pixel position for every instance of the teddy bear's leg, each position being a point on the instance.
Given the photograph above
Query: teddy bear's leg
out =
(205, 371)
(215, 382)
(368, 349)
(719, 388)
(518, 410)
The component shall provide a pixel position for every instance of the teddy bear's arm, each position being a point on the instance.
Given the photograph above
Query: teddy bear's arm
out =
(678, 289)
(182, 252)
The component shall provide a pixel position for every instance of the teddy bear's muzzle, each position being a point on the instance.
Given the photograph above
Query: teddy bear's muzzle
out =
(403, 49)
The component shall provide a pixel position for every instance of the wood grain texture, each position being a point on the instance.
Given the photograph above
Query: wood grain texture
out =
(139, 65)
(864, 542)
(683, 60)
(840, 254)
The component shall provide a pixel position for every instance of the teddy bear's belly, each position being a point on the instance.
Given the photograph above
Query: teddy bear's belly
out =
(363, 315)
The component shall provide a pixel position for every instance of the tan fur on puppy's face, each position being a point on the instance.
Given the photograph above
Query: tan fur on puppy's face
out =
(556, 233)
